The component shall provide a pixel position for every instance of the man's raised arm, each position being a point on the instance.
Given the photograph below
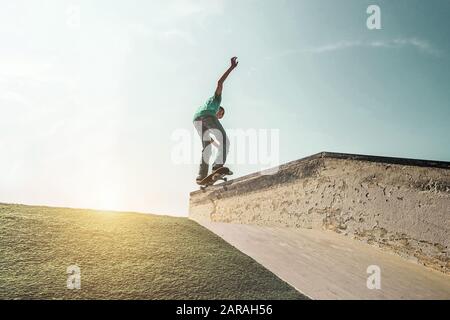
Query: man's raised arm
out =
(219, 88)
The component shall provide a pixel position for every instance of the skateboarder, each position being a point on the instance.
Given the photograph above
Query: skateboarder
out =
(206, 121)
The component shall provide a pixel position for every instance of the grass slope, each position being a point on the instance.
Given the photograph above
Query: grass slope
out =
(123, 256)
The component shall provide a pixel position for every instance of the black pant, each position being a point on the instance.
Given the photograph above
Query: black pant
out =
(207, 126)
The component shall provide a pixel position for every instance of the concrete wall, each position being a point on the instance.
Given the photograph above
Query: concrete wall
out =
(397, 204)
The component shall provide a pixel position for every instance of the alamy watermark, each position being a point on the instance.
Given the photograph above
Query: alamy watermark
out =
(73, 17)
(374, 280)
(260, 147)
(373, 22)
(74, 277)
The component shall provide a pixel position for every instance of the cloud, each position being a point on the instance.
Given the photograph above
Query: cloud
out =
(14, 98)
(31, 71)
(333, 47)
(418, 44)
(162, 34)
(197, 8)
(176, 19)
(421, 45)
(23, 67)
(179, 34)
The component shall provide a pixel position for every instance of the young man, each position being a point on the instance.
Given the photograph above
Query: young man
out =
(206, 121)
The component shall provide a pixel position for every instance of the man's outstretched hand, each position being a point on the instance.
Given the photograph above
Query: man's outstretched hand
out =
(234, 62)
(219, 88)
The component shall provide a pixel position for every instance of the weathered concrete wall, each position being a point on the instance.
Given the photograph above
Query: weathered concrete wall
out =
(397, 204)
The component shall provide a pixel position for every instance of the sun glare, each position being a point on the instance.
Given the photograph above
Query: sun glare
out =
(109, 198)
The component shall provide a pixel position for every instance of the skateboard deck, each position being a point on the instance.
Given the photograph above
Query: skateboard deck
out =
(213, 177)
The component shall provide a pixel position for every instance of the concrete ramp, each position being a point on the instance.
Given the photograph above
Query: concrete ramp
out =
(326, 265)
(321, 221)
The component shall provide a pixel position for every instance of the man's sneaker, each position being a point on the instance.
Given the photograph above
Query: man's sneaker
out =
(218, 166)
(221, 166)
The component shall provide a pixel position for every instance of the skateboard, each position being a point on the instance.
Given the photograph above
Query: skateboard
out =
(213, 177)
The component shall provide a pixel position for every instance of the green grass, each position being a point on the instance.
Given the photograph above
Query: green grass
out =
(123, 256)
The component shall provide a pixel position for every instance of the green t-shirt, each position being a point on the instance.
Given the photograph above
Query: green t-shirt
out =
(210, 107)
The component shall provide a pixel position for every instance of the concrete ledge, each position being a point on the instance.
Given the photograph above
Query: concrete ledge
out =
(401, 205)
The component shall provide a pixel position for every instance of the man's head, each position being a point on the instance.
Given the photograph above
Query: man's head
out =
(220, 113)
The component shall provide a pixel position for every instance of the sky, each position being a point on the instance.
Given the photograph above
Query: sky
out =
(97, 97)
